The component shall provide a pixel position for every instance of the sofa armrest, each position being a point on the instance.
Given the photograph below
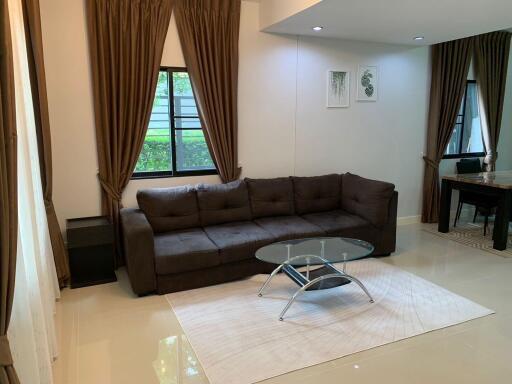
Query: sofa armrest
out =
(139, 250)
(387, 244)
(367, 198)
(393, 208)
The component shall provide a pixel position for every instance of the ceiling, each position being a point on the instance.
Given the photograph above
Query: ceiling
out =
(398, 21)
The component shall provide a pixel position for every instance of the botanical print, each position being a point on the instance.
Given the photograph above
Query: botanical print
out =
(367, 83)
(338, 89)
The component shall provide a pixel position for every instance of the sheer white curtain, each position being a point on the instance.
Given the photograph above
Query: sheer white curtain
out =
(32, 330)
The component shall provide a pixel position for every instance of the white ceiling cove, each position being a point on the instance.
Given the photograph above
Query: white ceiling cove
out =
(397, 21)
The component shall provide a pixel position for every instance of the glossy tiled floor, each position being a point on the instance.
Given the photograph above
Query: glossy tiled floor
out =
(109, 337)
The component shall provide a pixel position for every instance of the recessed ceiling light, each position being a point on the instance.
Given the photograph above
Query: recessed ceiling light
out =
(317, 29)
(418, 38)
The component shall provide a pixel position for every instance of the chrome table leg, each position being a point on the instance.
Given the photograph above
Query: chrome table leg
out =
(361, 285)
(260, 293)
(287, 262)
(321, 278)
(352, 278)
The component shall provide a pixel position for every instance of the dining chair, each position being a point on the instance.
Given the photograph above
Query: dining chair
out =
(483, 204)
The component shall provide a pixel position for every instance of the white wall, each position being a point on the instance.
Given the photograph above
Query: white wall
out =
(75, 165)
(382, 139)
(266, 100)
(284, 126)
(273, 11)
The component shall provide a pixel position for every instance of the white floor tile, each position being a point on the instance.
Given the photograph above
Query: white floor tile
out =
(109, 336)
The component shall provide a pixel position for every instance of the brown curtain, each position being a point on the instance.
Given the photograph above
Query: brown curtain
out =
(33, 34)
(450, 66)
(208, 31)
(126, 41)
(8, 194)
(491, 65)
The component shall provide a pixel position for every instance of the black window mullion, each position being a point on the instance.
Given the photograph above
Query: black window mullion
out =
(464, 100)
(171, 116)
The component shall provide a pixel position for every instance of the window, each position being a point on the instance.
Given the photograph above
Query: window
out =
(467, 140)
(174, 143)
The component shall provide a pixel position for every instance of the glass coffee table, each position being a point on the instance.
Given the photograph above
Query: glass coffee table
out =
(319, 251)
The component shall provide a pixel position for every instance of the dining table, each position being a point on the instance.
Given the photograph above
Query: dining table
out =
(497, 185)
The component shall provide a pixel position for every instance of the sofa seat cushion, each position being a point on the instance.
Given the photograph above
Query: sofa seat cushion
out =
(289, 227)
(336, 222)
(223, 203)
(185, 250)
(271, 197)
(317, 193)
(238, 241)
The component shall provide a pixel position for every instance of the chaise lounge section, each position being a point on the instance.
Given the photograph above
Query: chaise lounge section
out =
(188, 237)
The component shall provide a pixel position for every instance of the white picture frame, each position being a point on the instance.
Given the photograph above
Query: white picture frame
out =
(338, 88)
(367, 83)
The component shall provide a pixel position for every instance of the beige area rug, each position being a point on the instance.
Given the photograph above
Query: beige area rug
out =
(238, 338)
(472, 234)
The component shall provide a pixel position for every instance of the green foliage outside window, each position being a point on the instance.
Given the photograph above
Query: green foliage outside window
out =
(156, 156)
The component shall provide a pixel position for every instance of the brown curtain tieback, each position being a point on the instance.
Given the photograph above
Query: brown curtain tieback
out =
(431, 162)
(48, 204)
(107, 187)
(5, 352)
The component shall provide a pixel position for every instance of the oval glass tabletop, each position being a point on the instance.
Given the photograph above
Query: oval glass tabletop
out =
(314, 251)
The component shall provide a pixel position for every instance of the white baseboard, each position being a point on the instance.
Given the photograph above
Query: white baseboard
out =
(406, 220)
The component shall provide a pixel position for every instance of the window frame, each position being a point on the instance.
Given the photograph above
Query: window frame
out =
(172, 119)
(460, 155)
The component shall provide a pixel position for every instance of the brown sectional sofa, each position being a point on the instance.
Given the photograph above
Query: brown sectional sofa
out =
(189, 237)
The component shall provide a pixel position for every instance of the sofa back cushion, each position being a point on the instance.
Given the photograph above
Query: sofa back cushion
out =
(317, 193)
(271, 197)
(168, 209)
(366, 198)
(223, 203)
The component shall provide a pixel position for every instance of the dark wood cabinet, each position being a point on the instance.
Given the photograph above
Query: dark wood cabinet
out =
(91, 251)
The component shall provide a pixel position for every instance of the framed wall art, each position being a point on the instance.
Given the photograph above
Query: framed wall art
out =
(367, 83)
(338, 89)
